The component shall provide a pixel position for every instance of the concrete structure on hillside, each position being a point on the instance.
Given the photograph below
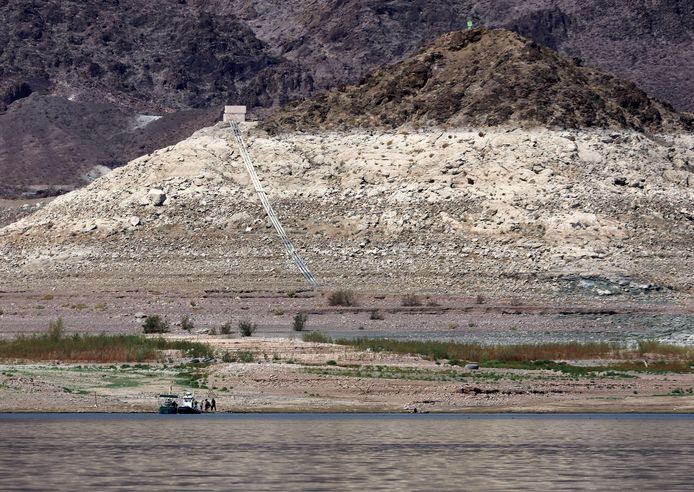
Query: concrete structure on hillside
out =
(234, 113)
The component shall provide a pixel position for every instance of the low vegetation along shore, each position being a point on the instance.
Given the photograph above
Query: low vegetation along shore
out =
(311, 372)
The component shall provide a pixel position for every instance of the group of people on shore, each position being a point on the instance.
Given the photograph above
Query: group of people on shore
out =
(205, 405)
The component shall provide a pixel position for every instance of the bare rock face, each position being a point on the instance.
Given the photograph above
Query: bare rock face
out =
(162, 55)
(483, 77)
(151, 57)
(646, 42)
(501, 212)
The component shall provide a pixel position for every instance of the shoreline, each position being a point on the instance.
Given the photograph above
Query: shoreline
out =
(327, 413)
(269, 376)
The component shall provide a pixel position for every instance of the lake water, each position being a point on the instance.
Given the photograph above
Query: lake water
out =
(346, 452)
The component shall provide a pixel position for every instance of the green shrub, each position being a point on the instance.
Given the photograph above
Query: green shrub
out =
(331, 362)
(187, 323)
(342, 298)
(56, 329)
(247, 328)
(299, 321)
(376, 315)
(317, 337)
(246, 357)
(226, 328)
(154, 324)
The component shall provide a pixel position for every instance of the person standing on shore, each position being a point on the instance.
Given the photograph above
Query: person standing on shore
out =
(214, 405)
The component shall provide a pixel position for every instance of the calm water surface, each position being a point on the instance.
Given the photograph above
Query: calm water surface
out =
(346, 452)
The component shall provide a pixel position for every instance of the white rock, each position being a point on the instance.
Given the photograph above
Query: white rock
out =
(156, 197)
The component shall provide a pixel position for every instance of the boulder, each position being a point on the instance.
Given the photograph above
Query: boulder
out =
(156, 197)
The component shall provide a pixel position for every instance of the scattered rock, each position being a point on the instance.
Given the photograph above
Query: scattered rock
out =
(156, 197)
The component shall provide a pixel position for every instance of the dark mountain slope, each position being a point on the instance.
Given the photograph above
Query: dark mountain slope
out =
(51, 144)
(150, 56)
(648, 42)
(163, 56)
(483, 77)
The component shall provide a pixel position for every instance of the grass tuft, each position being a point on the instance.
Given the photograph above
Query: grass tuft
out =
(299, 322)
(247, 328)
(155, 324)
(519, 355)
(317, 337)
(187, 323)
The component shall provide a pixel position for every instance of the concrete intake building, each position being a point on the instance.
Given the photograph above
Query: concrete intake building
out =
(234, 113)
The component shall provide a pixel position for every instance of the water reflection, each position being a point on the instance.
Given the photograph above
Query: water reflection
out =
(345, 453)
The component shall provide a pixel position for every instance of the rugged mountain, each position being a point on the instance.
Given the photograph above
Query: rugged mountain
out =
(147, 56)
(165, 54)
(162, 56)
(648, 42)
(483, 77)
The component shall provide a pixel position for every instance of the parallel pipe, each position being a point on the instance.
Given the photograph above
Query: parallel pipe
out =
(288, 245)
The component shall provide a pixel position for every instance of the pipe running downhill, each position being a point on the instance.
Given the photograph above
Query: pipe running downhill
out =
(288, 245)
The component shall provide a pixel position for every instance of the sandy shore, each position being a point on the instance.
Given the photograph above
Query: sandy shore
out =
(288, 375)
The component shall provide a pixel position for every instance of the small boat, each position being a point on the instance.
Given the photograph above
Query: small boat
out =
(189, 404)
(168, 404)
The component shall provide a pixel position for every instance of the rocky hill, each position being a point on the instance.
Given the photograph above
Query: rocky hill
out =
(483, 77)
(167, 55)
(162, 56)
(506, 212)
(647, 42)
(80, 80)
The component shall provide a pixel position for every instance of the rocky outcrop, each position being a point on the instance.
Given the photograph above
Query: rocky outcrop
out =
(483, 77)
(158, 57)
(646, 42)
